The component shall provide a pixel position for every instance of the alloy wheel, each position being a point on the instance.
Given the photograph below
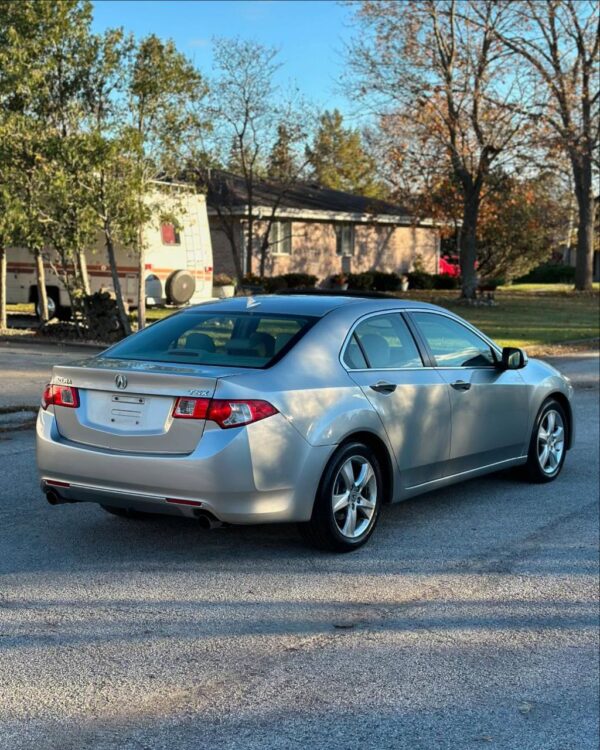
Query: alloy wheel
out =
(550, 441)
(354, 497)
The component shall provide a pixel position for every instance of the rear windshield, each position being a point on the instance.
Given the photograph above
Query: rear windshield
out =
(227, 339)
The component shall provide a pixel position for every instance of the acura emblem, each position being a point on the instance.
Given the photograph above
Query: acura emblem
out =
(121, 382)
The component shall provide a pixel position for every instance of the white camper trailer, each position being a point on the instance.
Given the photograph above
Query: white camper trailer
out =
(178, 265)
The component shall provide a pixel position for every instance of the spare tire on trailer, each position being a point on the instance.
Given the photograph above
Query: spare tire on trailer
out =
(180, 287)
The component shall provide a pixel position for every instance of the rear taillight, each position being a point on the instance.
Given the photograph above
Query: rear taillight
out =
(60, 395)
(225, 413)
(237, 413)
(191, 408)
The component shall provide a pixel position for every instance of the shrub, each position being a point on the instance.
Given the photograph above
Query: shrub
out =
(273, 284)
(377, 281)
(251, 279)
(420, 280)
(302, 280)
(549, 273)
(445, 281)
(288, 281)
(222, 279)
(362, 282)
(102, 314)
(386, 282)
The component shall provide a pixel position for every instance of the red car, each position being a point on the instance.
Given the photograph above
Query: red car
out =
(449, 266)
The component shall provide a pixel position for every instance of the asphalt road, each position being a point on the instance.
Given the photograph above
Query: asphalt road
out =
(469, 621)
(25, 368)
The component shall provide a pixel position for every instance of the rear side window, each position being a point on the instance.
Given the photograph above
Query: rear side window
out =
(382, 342)
(225, 339)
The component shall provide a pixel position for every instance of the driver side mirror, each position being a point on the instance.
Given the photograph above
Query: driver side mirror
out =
(513, 358)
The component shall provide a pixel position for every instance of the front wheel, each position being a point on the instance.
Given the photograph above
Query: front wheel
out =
(348, 500)
(548, 445)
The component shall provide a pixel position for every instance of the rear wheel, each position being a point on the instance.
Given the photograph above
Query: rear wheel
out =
(548, 445)
(348, 500)
(52, 308)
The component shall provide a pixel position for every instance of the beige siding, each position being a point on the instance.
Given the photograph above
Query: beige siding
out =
(376, 247)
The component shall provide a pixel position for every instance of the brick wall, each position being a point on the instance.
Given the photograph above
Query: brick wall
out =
(381, 247)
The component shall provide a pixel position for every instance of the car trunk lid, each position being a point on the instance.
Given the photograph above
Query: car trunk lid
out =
(127, 406)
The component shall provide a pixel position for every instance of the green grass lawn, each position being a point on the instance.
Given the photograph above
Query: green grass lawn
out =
(536, 317)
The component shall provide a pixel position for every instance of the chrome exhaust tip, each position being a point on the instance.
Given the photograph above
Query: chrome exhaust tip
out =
(207, 520)
(53, 498)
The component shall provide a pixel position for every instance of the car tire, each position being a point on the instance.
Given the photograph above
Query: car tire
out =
(53, 306)
(358, 502)
(125, 512)
(548, 443)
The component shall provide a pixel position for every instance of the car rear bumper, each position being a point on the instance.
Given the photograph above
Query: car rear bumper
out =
(262, 473)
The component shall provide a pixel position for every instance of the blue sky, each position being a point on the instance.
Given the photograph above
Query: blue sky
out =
(310, 34)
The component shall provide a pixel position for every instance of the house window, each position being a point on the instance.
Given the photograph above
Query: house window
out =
(344, 244)
(280, 237)
(170, 235)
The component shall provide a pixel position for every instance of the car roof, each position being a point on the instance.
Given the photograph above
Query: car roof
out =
(315, 305)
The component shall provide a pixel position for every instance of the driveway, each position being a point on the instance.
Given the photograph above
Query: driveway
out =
(469, 621)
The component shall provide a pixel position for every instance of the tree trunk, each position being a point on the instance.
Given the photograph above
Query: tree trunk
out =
(584, 259)
(264, 246)
(141, 311)
(248, 258)
(237, 261)
(468, 246)
(83, 271)
(3, 321)
(41, 285)
(114, 272)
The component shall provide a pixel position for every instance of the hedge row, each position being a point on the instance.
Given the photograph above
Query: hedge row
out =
(378, 281)
(368, 281)
(272, 284)
(549, 273)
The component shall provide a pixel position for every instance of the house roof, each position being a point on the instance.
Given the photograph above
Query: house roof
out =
(303, 200)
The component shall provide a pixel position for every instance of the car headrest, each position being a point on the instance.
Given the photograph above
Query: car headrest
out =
(199, 342)
(264, 343)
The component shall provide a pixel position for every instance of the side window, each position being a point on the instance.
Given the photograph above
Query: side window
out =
(353, 356)
(280, 237)
(383, 341)
(169, 234)
(344, 239)
(452, 344)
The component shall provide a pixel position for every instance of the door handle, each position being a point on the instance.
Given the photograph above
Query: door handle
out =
(461, 385)
(382, 386)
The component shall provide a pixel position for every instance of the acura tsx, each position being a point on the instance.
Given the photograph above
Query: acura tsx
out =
(315, 409)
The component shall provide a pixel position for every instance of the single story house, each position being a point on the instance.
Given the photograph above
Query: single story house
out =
(317, 230)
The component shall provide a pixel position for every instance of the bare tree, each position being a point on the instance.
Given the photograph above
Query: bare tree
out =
(250, 121)
(559, 40)
(436, 66)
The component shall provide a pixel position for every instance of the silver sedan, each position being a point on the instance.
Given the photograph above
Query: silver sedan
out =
(315, 409)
